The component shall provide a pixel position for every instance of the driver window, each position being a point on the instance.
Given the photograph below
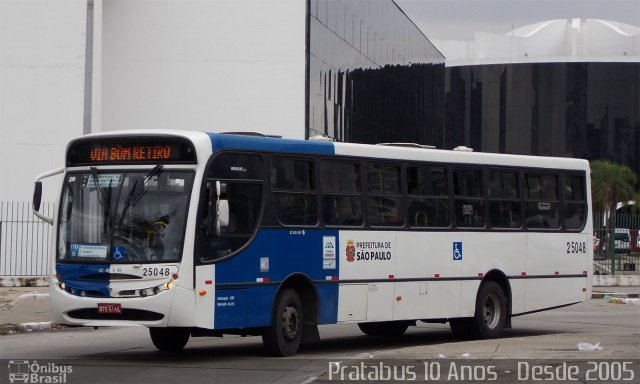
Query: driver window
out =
(240, 177)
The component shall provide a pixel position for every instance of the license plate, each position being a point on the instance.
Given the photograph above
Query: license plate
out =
(110, 308)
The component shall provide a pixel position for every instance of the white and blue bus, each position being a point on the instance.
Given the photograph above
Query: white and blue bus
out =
(199, 234)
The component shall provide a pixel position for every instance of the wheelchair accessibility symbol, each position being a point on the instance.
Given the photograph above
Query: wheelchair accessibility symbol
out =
(457, 250)
(117, 253)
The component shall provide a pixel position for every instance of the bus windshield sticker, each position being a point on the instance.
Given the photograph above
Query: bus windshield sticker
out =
(264, 264)
(544, 206)
(118, 252)
(329, 252)
(94, 251)
(105, 181)
(457, 250)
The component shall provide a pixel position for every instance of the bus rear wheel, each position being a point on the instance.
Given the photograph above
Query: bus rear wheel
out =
(490, 315)
(170, 339)
(284, 335)
(384, 328)
(491, 311)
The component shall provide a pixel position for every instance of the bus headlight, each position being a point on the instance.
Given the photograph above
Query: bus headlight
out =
(157, 289)
(61, 285)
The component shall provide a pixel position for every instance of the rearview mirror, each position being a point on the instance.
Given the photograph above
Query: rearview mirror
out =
(37, 195)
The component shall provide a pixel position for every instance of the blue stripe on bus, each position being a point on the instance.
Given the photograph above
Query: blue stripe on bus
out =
(225, 141)
(286, 250)
(74, 277)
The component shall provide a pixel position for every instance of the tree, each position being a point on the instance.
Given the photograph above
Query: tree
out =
(611, 184)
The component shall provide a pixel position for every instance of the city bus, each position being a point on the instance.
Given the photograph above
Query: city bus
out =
(211, 234)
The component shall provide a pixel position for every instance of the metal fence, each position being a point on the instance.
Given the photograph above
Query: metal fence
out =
(620, 259)
(25, 242)
(24, 239)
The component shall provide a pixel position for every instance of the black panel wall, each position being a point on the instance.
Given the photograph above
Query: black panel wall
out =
(582, 110)
(372, 76)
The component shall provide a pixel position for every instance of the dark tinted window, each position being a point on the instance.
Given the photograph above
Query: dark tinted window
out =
(542, 208)
(467, 182)
(574, 202)
(428, 200)
(427, 181)
(237, 166)
(383, 179)
(469, 200)
(503, 185)
(384, 203)
(293, 191)
(541, 187)
(341, 193)
(292, 174)
(341, 177)
(241, 189)
(505, 210)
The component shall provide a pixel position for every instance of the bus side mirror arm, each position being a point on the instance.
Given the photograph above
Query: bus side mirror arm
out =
(37, 194)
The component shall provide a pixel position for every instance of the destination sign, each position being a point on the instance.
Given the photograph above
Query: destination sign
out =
(130, 150)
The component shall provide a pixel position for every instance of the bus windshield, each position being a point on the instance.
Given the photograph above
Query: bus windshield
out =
(124, 216)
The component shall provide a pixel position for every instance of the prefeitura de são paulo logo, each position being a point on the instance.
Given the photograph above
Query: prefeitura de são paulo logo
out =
(351, 251)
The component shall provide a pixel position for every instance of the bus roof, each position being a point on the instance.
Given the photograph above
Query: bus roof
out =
(219, 141)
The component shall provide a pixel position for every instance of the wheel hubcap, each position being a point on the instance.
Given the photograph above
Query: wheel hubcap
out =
(491, 311)
(290, 323)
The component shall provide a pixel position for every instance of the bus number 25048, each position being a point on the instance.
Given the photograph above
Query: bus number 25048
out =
(155, 271)
(576, 247)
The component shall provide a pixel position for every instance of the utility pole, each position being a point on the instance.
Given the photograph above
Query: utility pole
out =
(88, 70)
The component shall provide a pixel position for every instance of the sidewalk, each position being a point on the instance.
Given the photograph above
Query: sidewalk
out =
(622, 292)
(28, 309)
(24, 309)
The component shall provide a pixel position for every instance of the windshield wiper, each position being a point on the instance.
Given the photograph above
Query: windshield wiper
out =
(138, 190)
(104, 198)
(94, 175)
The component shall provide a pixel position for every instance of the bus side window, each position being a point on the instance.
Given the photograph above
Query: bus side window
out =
(428, 197)
(294, 197)
(384, 203)
(341, 193)
(542, 208)
(574, 202)
(504, 199)
(469, 199)
(240, 176)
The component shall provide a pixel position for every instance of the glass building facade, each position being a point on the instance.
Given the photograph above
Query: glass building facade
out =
(587, 110)
(372, 75)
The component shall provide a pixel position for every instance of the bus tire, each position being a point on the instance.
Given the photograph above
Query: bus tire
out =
(169, 339)
(284, 335)
(462, 328)
(491, 311)
(384, 328)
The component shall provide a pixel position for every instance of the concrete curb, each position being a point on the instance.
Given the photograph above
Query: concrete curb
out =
(601, 295)
(10, 329)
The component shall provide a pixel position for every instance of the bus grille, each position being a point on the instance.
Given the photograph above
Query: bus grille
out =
(127, 314)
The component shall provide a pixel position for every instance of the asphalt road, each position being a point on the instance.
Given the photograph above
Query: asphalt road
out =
(126, 355)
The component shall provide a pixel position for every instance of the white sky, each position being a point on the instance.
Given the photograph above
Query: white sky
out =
(459, 19)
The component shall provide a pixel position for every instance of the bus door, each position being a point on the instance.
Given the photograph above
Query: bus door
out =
(229, 213)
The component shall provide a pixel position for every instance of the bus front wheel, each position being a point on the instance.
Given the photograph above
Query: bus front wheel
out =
(284, 335)
(169, 339)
